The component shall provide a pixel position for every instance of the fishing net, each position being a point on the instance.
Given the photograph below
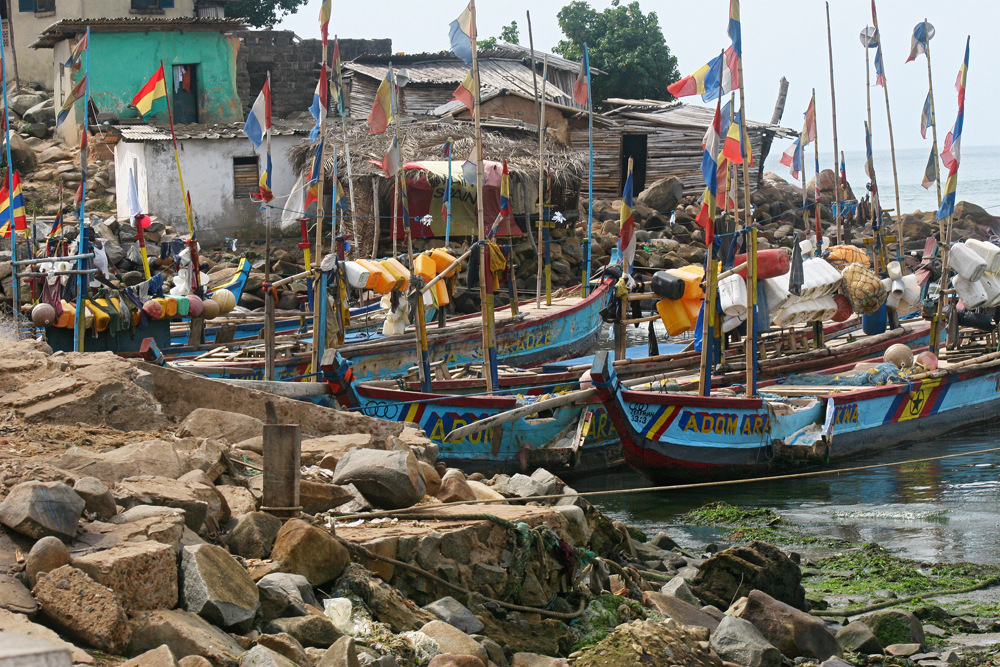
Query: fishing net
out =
(863, 289)
(842, 255)
(880, 375)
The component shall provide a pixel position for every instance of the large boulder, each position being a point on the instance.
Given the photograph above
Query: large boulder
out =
(315, 450)
(316, 631)
(232, 427)
(14, 624)
(343, 653)
(389, 480)
(83, 609)
(41, 509)
(22, 102)
(733, 573)
(454, 488)
(453, 612)
(679, 588)
(240, 500)
(677, 609)
(737, 640)
(98, 497)
(46, 555)
(142, 574)
(165, 492)
(793, 632)
(663, 195)
(452, 640)
(319, 497)
(254, 535)
(39, 113)
(857, 637)
(217, 588)
(895, 626)
(283, 594)
(21, 153)
(286, 645)
(186, 634)
(262, 656)
(301, 548)
(15, 597)
(651, 644)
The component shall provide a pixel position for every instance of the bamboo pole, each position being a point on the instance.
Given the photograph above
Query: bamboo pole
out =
(268, 292)
(930, 92)
(590, 179)
(935, 336)
(892, 144)
(319, 328)
(78, 339)
(836, 146)
(538, 113)
(543, 247)
(816, 188)
(750, 345)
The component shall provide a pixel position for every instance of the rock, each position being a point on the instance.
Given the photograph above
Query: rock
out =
(834, 661)
(895, 626)
(739, 641)
(40, 509)
(662, 195)
(295, 586)
(254, 535)
(680, 611)
(359, 504)
(452, 640)
(902, 650)
(21, 153)
(482, 491)
(315, 450)
(22, 651)
(217, 588)
(160, 656)
(310, 630)
(18, 625)
(261, 656)
(318, 497)
(47, 554)
(22, 102)
(678, 588)
(663, 541)
(241, 501)
(83, 609)
(550, 483)
(535, 660)
(300, 548)
(432, 480)
(149, 490)
(454, 488)
(453, 660)
(97, 497)
(285, 645)
(385, 602)
(142, 574)
(857, 637)
(651, 644)
(186, 634)
(218, 508)
(453, 612)
(735, 572)
(343, 653)
(388, 480)
(523, 486)
(53, 154)
(193, 661)
(232, 427)
(14, 597)
(793, 632)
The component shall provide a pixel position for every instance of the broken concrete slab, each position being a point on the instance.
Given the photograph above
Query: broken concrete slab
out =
(22, 651)
(83, 609)
(15, 597)
(150, 490)
(142, 574)
(19, 624)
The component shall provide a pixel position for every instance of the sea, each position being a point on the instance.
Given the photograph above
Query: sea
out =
(978, 175)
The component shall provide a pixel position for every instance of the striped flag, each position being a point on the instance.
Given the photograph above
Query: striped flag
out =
(720, 76)
(737, 148)
(505, 192)
(461, 33)
(922, 33)
(734, 30)
(258, 121)
(312, 194)
(382, 110)
(950, 155)
(20, 217)
(77, 52)
(464, 93)
(626, 238)
(325, 11)
(153, 95)
(926, 116)
(581, 89)
(792, 158)
(264, 193)
(56, 225)
(337, 81)
(809, 125)
(79, 90)
(321, 99)
(710, 172)
(879, 73)
(930, 171)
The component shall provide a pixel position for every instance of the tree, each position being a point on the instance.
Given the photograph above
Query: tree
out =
(623, 42)
(508, 33)
(263, 13)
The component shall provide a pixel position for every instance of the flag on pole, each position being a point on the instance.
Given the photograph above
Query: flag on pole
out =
(325, 10)
(321, 97)
(152, 98)
(737, 148)
(461, 32)
(809, 126)
(79, 90)
(922, 32)
(879, 74)
(581, 89)
(312, 194)
(710, 172)
(792, 158)
(78, 49)
(20, 217)
(56, 226)
(720, 76)
(465, 93)
(340, 200)
(446, 148)
(132, 197)
(930, 171)
(264, 193)
(734, 30)
(926, 116)
(259, 119)
(505, 192)
(382, 111)
(951, 155)
(626, 239)
(843, 172)
(390, 163)
(337, 81)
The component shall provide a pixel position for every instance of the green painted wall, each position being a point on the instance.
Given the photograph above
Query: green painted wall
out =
(121, 63)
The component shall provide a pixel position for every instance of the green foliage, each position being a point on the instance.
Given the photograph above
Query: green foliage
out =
(508, 33)
(263, 13)
(746, 524)
(623, 42)
(605, 613)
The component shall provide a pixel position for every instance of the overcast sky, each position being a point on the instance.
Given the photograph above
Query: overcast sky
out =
(780, 38)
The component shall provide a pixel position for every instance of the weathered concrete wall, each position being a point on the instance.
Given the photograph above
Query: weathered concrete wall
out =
(35, 65)
(294, 65)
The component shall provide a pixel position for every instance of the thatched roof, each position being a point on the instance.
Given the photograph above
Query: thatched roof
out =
(423, 139)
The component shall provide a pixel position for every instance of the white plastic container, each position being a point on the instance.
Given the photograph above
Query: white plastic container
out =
(988, 251)
(819, 278)
(991, 284)
(894, 270)
(807, 246)
(357, 275)
(730, 323)
(822, 308)
(911, 289)
(733, 296)
(896, 290)
(783, 317)
(776, 292)
(970, 292)
(966, 262)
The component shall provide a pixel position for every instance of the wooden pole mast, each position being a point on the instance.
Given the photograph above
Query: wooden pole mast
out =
(750, 344)
(836, 146)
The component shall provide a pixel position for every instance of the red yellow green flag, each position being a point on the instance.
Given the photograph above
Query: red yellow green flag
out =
(148, 101)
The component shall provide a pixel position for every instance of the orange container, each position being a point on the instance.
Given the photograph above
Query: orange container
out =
(425, 267)
(441, 293)
(443, 259)
(692, 275)
(398, 271)
(65, 320)
(376, 275)
(693, 307)
(674, 315)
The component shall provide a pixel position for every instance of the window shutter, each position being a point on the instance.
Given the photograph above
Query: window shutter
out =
(166, 4)
(246, 176)
(26, 5)
(140, 4)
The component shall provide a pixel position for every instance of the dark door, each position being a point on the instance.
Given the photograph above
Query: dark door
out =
(634, 146)
(185, 93)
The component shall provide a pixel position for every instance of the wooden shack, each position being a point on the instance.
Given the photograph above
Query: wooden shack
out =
(663, 139)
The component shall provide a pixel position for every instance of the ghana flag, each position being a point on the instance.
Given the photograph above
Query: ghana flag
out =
(153, 96)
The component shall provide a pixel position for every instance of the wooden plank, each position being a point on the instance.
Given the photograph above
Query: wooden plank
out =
(282, 463)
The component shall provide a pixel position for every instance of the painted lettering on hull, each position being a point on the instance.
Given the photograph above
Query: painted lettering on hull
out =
(722, 423)
(846, 414)
(437, 426)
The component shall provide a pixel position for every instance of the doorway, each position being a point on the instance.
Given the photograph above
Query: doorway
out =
(634, 146)
(185, 93)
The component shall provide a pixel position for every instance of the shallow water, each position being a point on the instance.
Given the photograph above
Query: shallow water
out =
(935, 511)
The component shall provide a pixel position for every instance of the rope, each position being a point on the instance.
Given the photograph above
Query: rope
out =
(844, 613)
(678, 487)
(365, 553)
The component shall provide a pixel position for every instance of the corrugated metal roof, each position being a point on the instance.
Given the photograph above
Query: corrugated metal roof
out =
(494, 74)
(206, 131)
(554, 61)
(679, 114)
(66, 28)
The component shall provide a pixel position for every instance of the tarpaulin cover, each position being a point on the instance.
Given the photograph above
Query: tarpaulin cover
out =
(425, 187)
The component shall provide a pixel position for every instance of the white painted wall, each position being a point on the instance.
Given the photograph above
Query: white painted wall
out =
(35, 65)
(207, 165)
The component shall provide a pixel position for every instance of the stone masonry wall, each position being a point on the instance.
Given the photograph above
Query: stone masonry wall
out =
(294, 65)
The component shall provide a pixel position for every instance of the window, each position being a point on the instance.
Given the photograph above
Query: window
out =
(38, 6)
(246, 176)
(150, 6)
